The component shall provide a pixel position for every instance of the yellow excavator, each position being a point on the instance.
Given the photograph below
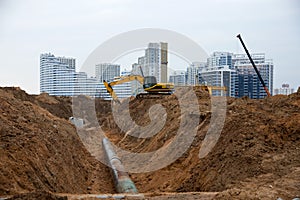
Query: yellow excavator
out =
(153, 90)
(209, 88)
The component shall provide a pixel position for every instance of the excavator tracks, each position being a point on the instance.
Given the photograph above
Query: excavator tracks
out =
(152, 95)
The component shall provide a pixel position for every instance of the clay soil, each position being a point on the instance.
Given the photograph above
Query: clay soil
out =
(40, 149)
(256, 157)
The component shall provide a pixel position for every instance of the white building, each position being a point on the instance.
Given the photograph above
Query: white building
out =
(107, 71)
(71, 62)
(123, 90)
(55, 74)
(220, 59)
(248, 83)
(178, 78)
(59, 78)
(219, 71)
(155, 61)
(137, 87)
(192, 72)
(137, 68)
(285, 90)
(221, 76)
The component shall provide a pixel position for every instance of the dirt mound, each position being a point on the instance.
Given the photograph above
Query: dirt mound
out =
(40, 151)
(258, 147)
(58, 106)
(256, 157)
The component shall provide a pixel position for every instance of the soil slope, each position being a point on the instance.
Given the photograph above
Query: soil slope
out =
(258, 150)
(256, 157)
(40, 151)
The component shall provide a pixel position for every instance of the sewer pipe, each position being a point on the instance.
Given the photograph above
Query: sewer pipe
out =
(123, 183)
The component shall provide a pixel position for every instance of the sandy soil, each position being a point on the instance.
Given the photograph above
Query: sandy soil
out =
(40, 151)
(256, 157)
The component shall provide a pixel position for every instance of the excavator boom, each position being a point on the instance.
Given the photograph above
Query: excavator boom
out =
(151, 87)
(120, 80)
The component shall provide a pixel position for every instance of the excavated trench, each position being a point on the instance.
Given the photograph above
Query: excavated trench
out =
(257, 154)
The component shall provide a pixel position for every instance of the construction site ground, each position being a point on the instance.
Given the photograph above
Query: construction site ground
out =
(256, 157)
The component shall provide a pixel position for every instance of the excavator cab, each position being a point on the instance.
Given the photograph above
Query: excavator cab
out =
(149, 81)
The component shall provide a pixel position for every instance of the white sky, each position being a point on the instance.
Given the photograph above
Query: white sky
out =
(76, 28)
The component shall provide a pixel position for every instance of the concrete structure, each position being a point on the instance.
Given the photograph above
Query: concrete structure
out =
(221, 76)
(123, 90)
(220, 59)
(136, 69)
(243, 81)
(83, 85)
(155, 61)
(163, 62)
(248, 83)
(192, 72)
(178, 78)
(71, 62)
(56, 76)
(107, 71)
(137, 87)
(59, 78)
(219, 71)
(78, 122)
(285, 90)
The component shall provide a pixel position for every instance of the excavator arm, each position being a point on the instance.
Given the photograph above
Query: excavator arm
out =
(120, 80)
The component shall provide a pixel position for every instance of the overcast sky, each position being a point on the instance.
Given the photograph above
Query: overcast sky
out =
(76, 28)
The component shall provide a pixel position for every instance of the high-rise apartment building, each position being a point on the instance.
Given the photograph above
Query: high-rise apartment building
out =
(155, 61)
(221, 76)
(107, 71)
(236, 73)
(71, 62)
(56, 74)
(163, 62)
(192, 72)
(178, 78)
(59, 78)
(248, 83)
(219, 72)
(220, 59)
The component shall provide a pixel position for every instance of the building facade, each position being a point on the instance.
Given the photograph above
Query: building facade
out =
(178, 78)
(221, 76)
(220, 72)
(192, 72)
(285, 90)
(220, 59)
(59, 78)
(236, 73)
(123, 90)
(56, 75)
(248, 83)
(107, 71)
(155, 61)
